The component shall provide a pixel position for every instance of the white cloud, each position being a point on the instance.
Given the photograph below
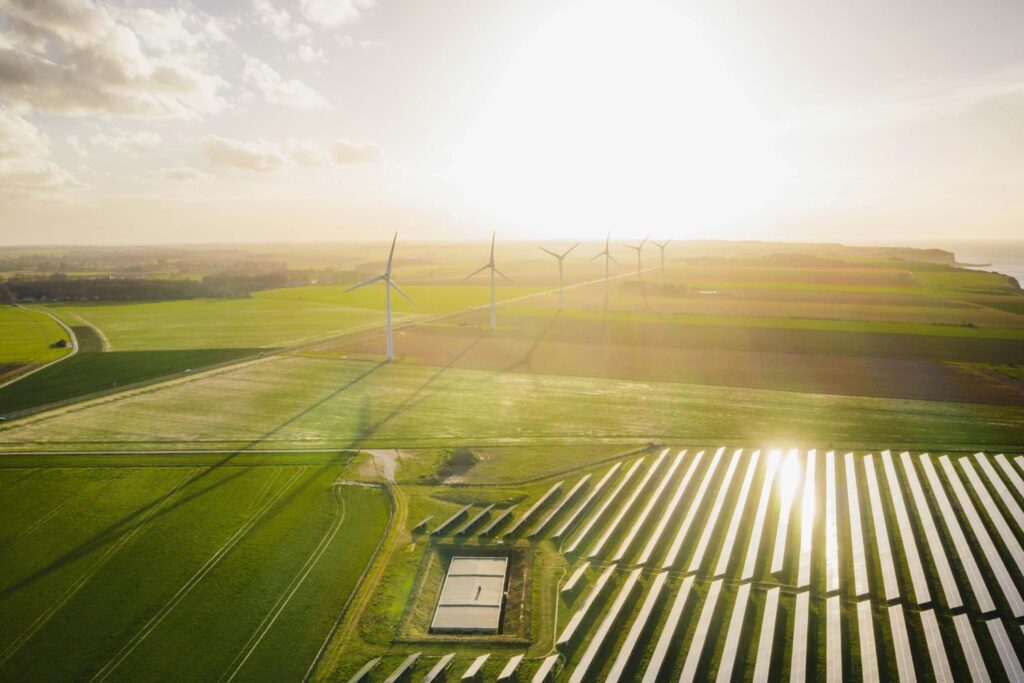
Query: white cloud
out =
(75, 143)
(279, 21)
(307, 54)
(350, 42)
(184, 174)
(277, 90)
(348, 152)
(258, 155)
(332, 13)
(126, 141)
(25, 169)
(75, 57)
(263, 155)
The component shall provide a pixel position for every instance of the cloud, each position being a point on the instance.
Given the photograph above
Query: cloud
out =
(332, 13)
(348, 152)
(260, 156)
(126, 141)
(184, 174)
(25, 169)
(277, 90)
(264, 156)
(307, 54)
(75, 57)
(279, 21)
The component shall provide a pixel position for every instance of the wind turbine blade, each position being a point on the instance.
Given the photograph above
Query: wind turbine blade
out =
(494, 235)
(507, 278)
(391, 255)
(566, 252)
(365, 282)
(399, 290)
(548, 251)
(612, 258)
(643, 243)
(597, 256)
(478, 270)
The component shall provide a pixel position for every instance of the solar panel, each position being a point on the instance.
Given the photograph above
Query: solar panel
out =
(831, 526)
(713, 516)
(636, 631)
(575, 578)
(730, 651)
(534, 508)
(1001, 489)
(885, 558)
(807, 512)
(798, 662)
(625, 508)
(963, 548)
(448, 523)
(763, 665)
(860, 563)
(509, 672)
(668, 631)
(587, 502)
(969, 644)
(901, 644)
(936, 648)
(868, 652)
(1006, 651)
(754, 546)
(500, 519)
(700, 636)
(652, 500)
(545, 669)
(670, 512)
(785, 510)
(833, 641)
(403, 668)
(569, 497)
(740, 507)
(581, 613)
(473, 671)
(691, 513)
(992, 510)
(365, 671)
(596, 516)
(922, 595)
(1011, 474)
(931, 535)
(579, 674)
(438, 671)
(988, 547)
(476, 519)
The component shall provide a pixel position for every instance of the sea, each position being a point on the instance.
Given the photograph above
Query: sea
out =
(1001, 256)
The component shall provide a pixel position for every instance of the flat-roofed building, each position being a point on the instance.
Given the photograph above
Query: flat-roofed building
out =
(472, 595)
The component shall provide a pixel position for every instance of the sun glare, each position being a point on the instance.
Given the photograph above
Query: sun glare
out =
(612, 119)
(789, 478)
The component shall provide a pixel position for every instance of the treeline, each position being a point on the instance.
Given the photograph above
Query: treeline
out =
(59, 287)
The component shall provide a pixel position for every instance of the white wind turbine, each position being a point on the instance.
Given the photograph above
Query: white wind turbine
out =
(607, 257)
(494, 269)
(388, 284)
(637, 248)
(561, 278)
(661, 246)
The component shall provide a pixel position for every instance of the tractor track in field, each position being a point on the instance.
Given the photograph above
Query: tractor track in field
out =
(186, 588)
(87, 575)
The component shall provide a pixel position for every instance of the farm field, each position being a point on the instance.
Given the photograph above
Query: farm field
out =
(27, 339)
(856, 560)
(292, 401)
(114, 571)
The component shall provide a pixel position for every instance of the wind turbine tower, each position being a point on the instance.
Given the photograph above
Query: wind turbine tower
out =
(661, 246)
(607, 257)
(388, 284)
(494, 269)
(638, 247)
(561, 275)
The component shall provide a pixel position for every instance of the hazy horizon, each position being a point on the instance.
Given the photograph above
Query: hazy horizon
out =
(172, 121)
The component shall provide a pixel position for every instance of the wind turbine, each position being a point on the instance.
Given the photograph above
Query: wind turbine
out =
(638, 247)
(607, 257)
(661, 246)
(388, 284)
(494, 269)
(561, 279)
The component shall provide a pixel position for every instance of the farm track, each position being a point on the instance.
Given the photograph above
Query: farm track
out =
(67, 330)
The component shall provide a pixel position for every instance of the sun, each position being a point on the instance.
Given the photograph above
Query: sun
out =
(617, 116)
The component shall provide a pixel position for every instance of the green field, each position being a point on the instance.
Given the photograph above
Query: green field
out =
(119, 571)
(426, 298)
(302, 402)
(27, 337)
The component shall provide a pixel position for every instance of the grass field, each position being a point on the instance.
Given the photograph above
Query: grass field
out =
(28, 336)
(426, 298)
(117, 571)
(303, 402)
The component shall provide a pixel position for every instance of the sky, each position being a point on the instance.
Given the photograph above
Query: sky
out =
(310, 120)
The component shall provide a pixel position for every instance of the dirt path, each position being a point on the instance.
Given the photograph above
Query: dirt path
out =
(383, 462)
(71, 336)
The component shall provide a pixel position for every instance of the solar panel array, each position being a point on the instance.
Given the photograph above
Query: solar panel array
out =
(730, 564)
